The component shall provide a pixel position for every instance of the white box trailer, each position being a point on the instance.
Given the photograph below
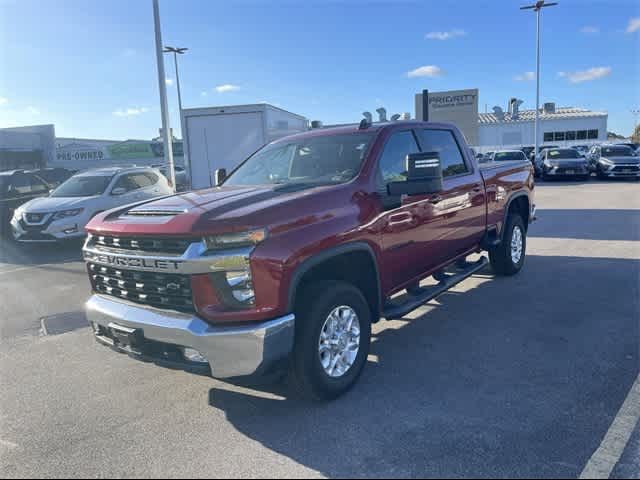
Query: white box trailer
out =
(222, 137)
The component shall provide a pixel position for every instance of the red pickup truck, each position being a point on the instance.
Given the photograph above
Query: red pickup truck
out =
(296, 253)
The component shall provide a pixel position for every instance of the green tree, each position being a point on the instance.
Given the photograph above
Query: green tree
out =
(636, 134)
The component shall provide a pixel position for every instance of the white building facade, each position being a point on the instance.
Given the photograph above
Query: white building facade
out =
(562, 126)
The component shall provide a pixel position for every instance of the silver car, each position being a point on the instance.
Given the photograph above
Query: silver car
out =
(614, 161)
(564, 162)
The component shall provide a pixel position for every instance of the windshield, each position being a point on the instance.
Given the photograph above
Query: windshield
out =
(83, 186)
(317, 160)
(564, 153)
(505, 156)
(617, 152)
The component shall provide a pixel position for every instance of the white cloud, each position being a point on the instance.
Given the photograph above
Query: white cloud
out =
(130, 112)
(169, 82)
(227, 87)
(426, 71)
(32, 110)
(525, 77)
(590, 30)
(588, 75)
(3, 101)
(634, 25)
(445, 35)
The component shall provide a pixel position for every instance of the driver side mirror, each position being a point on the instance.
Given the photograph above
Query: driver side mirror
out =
(424, 175)
(219, 176)
(118, 191)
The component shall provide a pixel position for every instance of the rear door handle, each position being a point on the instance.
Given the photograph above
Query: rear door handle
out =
(435, 199)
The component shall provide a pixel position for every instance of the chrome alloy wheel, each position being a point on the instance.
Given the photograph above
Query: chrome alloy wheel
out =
(339, 341)
(516, 245)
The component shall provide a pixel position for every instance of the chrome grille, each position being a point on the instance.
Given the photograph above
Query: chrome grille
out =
(159, 290)
(173, 246)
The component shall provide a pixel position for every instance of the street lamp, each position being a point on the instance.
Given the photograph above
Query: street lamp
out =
(180, 51)
(162, 85)
(537, 7)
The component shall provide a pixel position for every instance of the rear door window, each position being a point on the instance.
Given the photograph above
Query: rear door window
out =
(444, 143)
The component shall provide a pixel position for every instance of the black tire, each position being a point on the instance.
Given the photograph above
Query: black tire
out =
(500, 256)
(306, 373)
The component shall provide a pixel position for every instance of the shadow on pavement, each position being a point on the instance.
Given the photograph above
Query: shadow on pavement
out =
(40, 253)
(518, 377)
(591, 224)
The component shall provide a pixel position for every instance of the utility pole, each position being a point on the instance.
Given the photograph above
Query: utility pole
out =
(180, 51)
(537, 7)
(164, 109)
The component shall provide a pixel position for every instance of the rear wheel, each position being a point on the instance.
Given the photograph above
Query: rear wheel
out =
(508, 257)
(333, 335)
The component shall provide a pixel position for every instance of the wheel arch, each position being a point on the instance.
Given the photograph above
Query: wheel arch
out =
(331, 264)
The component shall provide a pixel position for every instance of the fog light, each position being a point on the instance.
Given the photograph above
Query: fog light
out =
(73, 229)
(194, 356)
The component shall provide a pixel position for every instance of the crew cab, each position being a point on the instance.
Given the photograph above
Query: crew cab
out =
(298, 251)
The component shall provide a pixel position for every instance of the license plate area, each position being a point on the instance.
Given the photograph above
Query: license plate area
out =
(125, 338)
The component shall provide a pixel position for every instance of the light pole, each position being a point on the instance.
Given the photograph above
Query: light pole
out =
(635, 112)
(180, 51)
(537, 7)
(162, 84)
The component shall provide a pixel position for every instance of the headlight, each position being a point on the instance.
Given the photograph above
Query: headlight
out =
(606, 161)
(235, 240)
(67, 213)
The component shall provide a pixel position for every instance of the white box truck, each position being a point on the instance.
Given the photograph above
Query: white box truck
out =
(222, 137)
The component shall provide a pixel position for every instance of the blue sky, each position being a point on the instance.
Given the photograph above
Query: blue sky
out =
(89, 66)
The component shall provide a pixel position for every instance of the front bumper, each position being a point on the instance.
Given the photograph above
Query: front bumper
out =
(620, 171)
(48, 230)
(231, 351)
(566, 171)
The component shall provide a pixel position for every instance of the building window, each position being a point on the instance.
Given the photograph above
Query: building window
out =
(558, 136)
(593, 134)
(548, 136)
(582, 134)
(570, 136)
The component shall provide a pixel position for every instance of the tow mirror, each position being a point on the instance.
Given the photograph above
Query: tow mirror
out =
(219, 176)
(424, 175)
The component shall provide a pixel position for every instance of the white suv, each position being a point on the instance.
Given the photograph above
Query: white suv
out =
(68, 208)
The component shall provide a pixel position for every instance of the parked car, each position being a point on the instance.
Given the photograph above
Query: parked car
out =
(610, 161)
(632, 145)
(509, 156)
(181, 176)
(54, 176)
(65, 212)
(564, 162)
(16, 188)
(293, 256)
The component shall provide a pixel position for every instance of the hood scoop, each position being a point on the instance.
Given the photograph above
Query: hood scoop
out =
(151, 211)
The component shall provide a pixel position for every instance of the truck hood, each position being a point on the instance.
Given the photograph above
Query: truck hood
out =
(623, 160)
(203, 211)
(55, 204)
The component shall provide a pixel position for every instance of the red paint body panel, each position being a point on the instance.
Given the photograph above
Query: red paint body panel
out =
(409, 242)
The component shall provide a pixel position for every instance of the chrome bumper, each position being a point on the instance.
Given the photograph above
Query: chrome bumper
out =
(231, 351)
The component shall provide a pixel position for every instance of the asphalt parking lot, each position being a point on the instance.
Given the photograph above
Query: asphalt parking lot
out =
(500, 377)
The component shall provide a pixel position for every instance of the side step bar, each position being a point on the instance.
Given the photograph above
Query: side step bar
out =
(396, 311)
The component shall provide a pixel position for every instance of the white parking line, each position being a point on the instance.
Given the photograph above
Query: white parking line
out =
(605, 458)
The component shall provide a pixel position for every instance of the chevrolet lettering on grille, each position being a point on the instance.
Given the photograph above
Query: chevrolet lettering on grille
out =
(133, 262)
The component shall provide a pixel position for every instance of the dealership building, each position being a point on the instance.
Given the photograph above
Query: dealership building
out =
(512, 126)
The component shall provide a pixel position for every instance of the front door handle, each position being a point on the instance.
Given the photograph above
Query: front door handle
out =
(400, 218)
(477, 187)
(435, 199)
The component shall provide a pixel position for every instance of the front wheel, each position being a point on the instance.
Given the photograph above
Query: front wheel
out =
(333, 335)
(508, 257)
